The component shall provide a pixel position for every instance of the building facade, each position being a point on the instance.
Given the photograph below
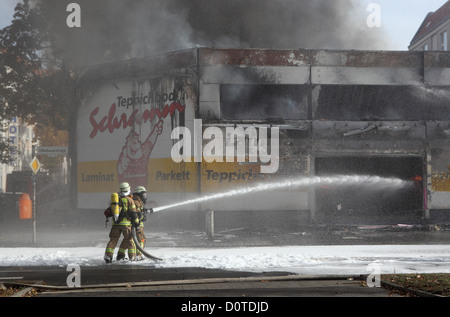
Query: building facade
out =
(433, 33)
(20, 135)
(336, 113)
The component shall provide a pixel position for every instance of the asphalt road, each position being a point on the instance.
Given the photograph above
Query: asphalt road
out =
(131, 280)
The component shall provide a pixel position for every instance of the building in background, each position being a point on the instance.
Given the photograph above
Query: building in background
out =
(433, 33)
(20, 135)
(338, 112)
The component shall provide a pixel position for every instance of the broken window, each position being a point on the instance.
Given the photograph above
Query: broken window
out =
(360, 103)
(257, 102)
(371, 202)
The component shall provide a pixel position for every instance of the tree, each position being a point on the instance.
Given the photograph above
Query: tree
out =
(20, 71)
(34, 84)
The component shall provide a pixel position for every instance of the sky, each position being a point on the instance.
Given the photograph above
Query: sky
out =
(402, 18)
(399, 18)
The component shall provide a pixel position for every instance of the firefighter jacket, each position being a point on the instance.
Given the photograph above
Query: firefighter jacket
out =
(140, 211)
(128, 211)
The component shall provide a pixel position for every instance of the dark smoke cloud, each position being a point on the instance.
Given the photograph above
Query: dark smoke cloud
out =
(122, 29)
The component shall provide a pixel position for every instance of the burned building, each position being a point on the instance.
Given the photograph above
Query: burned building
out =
(337, 112)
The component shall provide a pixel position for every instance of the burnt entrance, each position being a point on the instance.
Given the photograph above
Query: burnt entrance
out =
(364, 204)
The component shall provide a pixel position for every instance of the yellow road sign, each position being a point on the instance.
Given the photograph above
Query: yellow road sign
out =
(35, 165)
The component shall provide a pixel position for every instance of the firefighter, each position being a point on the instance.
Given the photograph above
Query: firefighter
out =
(122, 226)
(140, 199)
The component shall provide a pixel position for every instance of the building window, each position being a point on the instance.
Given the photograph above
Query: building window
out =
(379, 103)
(260, 102)
(425, 47)
(444, 42)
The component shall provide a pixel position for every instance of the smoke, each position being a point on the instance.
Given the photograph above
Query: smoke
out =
(114, 30)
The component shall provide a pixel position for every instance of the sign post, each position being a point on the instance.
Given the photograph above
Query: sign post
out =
(35, 166)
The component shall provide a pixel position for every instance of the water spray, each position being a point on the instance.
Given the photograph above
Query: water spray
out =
(373, 182)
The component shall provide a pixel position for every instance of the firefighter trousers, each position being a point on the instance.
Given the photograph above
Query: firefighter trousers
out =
(140, 235)
(127, 242)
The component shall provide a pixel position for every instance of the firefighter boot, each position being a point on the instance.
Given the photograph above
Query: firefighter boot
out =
(108, 258)
(120, 256)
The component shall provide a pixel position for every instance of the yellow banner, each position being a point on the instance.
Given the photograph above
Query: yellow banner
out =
(166, 176)
(97, 177)
(440, 182)
(219, 176)
(163, 176)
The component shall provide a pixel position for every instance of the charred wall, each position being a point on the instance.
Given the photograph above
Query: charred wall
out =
(385, 111)
(376, 109)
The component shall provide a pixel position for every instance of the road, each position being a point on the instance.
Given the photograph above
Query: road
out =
(131, 280)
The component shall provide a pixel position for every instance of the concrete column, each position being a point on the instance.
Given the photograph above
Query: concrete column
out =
(312, 191)
(209, 223)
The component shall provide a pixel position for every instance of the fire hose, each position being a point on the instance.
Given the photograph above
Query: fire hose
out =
(138, 246)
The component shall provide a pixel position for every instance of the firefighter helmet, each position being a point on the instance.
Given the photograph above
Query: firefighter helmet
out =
(139, 189)
(124, 187)
(141, 192)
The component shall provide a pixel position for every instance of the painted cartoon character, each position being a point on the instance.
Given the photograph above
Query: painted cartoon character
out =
(133, 160)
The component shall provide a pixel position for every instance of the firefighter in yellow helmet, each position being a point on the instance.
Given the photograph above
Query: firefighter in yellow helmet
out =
(122, 226)
(140, 199)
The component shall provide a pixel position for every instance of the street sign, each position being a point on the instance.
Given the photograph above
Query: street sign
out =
(52, 150)
(35, 165)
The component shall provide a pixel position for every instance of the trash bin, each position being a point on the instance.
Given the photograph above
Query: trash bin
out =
(25, 207)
